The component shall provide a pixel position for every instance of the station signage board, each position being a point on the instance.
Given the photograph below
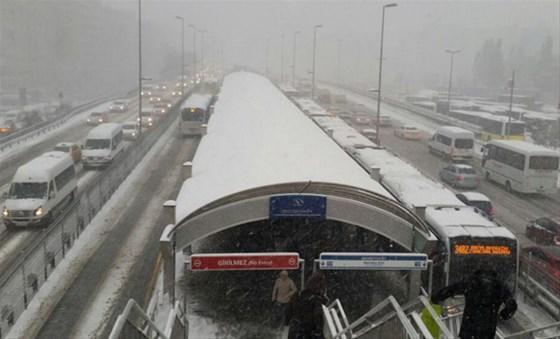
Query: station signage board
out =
(244, 261)
(298, 205)
(373, 261)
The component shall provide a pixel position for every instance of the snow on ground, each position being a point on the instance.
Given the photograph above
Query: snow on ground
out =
(31, 320)
(94, 318)
(75, 120)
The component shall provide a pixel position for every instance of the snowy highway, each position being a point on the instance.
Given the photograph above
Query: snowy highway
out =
(513, 210)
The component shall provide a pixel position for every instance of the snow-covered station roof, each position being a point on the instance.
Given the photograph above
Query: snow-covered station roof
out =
(257, 139)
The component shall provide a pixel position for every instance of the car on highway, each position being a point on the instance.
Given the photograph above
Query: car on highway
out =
(460, 176)
(384, 121)
(161, 108)
(452, 143)
(176, 93)
(478, 200)
(103, 144)
(130, 130)
(408, 132)
(147, 90)
(148, 116)
(542, 263)
(97, 118)
(155, 98)
(119, 106)
(73, 149)
(361, 119)
(544, 231)
(161, 87)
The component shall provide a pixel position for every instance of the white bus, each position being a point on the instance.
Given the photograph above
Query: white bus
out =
(103, 144)
(194, 114)
(453, 143)
(521, 166)
(39, 189)
(467, 240)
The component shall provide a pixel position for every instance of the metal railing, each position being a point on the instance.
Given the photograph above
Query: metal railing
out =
(133, 322)
(22, 280)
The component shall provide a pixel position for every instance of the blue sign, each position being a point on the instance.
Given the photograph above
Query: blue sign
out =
(373, 261)
(289, 206)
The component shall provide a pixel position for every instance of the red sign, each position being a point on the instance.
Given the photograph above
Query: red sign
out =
(244, 261)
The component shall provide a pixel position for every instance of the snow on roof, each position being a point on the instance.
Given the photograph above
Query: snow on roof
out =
(197, 100)
(419, 191)
(523, 146)
(475, 196)
(257, 137)
(454, 130)
(43, 168)
(104, 131)
(464, 221)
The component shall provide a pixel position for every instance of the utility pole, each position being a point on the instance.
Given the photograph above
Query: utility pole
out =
(182, 54)
(282, 59)
(314, 57)
(194, 53)
(294, 60)
(339, 41)
(512, 84)
(139, 67)
(452, 53)
(202, 53)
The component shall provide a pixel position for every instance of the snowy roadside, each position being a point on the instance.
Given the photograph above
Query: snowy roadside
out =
(40, 308)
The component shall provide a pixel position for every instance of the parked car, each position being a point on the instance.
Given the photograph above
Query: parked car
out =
(544, 231)
(478, 200)
(71, 148)
(459, 175)
(97, 118)
(542, 263)
(408, 132)
(119, 106)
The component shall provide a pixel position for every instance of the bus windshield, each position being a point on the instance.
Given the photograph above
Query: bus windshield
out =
(97, 143)
(464, 143)
(192, 115)
(543, 163)
(28, 190)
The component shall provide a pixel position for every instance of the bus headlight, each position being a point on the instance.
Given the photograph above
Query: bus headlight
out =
(5, 212)
(38, 212)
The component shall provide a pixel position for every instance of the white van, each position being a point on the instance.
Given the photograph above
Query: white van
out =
(40, 189)
(103, 144)
(453, 143)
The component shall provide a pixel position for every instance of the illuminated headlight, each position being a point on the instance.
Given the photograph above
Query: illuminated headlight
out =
(5, 212)
(88, 120)
(38, 212)
(100, 120)
(142, 93)
(149, 119)
(133, 134)
(137, 119)
(168, 105)
(150, 124)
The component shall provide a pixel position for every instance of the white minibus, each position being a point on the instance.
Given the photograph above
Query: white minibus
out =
(39, 189)
(521, 166)
(103, 144)
(453, 143)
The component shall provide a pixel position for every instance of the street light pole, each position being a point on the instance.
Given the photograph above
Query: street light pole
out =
(139, 67)
(377, 140)
(338, 62)
(194, 52)
(452, 53)
(282, 59)
(510, 103)
(182, 54)
(294, 60)
(314, 57)
(202, 53)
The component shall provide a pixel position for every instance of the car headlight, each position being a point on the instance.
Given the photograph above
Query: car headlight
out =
(142, 93)
(133, 134)
(149, 119)
(5, 212)
(88, 120)
(38, 212)
(100, 120)
(168, 105)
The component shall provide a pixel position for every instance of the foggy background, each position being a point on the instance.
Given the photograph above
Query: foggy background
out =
(89, 48)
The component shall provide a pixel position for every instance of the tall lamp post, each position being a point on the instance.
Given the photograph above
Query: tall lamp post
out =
(202, 53)
(452, 53)
(194, 52)
(182, 53)
(512, 86)
(139, 67)
(339, 42)
(315, 28)
(282, 58)
(377, 140)
(294, 60)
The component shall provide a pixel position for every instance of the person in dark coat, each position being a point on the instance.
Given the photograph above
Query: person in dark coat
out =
(484, 295)
(305, 314)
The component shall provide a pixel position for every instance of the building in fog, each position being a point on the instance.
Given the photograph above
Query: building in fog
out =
(78, 47)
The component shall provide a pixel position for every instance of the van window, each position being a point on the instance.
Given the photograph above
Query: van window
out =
(28, 190)
(443, 139)
(98, 143)
(65, 177)
(464, 143)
